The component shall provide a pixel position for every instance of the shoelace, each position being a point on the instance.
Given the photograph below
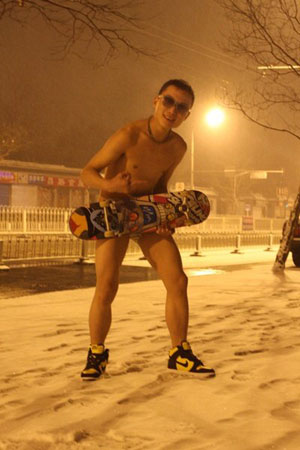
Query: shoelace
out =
(94, 358)
(193, 357)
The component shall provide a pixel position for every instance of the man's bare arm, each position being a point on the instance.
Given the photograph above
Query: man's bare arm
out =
(112, 150)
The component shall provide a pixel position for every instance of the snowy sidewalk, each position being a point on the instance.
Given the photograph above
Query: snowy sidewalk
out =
(244, 322)
(215, 258)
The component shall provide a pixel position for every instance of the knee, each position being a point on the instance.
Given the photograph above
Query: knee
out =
(183, 281)
(179, 283)
(106, 290)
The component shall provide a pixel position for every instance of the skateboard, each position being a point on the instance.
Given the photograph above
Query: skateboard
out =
(133, 216)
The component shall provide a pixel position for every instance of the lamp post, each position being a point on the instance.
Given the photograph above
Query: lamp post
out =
(192, 159)
(214, 118)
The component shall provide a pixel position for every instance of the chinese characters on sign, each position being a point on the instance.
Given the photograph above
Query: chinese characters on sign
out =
(43, 180)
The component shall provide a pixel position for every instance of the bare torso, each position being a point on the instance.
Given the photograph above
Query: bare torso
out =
(147, 161)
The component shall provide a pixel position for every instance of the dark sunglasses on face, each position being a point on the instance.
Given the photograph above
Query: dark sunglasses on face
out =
(169, 102)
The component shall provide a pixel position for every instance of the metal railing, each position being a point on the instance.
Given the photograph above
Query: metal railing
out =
(51, 220)
(234, 241)
(45, 247)
(236, 224)
(18, 248)
(42, 234)
(24, 220)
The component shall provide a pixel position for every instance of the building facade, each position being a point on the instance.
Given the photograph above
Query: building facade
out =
(41, 185)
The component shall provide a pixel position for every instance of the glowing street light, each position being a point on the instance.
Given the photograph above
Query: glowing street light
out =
(215, 117)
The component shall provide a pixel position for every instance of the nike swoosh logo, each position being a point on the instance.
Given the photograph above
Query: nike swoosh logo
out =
(186, 364)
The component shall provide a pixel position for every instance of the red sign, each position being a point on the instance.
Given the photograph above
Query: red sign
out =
(63, 182)
(41, 180)
(7, 177)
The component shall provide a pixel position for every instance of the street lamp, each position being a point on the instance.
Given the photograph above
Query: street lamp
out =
(214, 118)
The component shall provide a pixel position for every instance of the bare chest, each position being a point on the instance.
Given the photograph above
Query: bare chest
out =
(148, 160)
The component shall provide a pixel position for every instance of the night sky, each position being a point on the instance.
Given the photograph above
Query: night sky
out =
(70, 106)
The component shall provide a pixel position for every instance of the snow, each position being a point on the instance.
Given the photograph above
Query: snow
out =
(244, 322)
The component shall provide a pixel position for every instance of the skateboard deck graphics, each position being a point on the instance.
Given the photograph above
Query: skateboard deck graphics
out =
(133, 216)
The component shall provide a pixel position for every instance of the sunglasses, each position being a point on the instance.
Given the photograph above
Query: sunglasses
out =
(170, 102)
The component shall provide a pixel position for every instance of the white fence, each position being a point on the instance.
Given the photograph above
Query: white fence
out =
(16, 249)
(42, 234)
(24, 220)
(48, 220)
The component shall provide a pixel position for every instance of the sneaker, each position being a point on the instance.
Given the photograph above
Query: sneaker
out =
(97, 360)
(182, 358)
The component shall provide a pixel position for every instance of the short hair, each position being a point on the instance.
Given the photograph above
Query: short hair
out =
(180, 84)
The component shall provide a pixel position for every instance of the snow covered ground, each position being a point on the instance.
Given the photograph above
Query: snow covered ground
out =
(244, 322)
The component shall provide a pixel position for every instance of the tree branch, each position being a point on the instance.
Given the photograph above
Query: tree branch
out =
(266, 34)
(108, 26)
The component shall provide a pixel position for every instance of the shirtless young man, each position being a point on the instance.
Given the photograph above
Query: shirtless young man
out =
(139, 159)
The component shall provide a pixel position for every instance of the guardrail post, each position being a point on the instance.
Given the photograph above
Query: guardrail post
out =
(240, 224)
(84, 253)
(237, 244)
(2, 266)
(66, 221)
(270, 246)
(24, 217)
(198, 246)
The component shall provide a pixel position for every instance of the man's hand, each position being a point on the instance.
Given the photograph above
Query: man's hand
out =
(123, 183)
(120, 184)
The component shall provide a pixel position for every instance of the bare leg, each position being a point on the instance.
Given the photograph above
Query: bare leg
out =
(109, 257)
(164, 256)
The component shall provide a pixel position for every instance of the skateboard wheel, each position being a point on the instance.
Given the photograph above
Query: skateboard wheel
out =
(108, 234)
(104, 203)
(182, 208)
(171, 216)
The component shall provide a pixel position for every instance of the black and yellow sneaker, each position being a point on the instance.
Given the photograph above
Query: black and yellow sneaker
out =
(97, 360)
(181, 358)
